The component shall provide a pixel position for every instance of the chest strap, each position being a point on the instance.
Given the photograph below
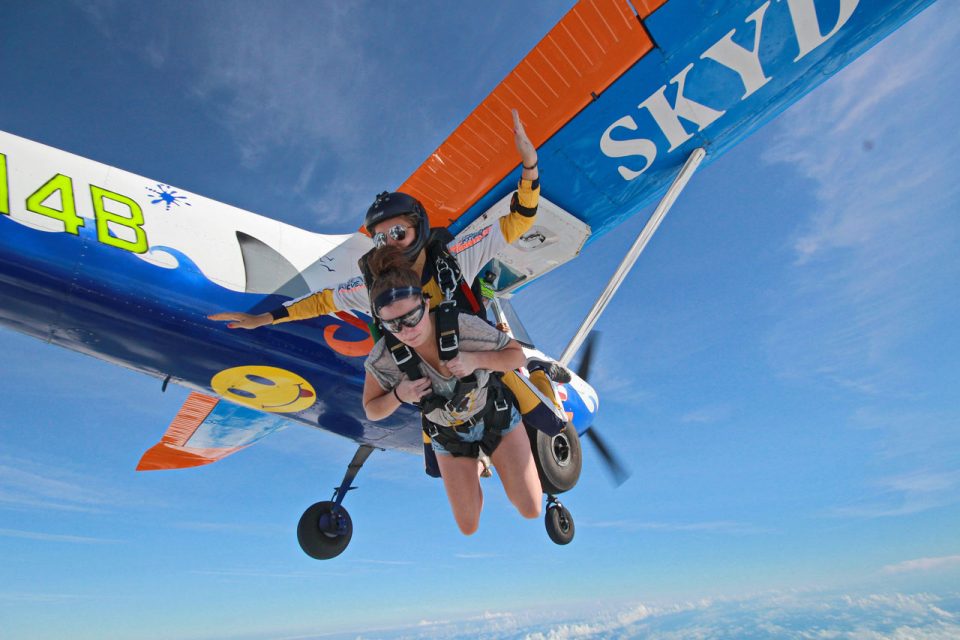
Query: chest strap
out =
(496, 420)
(448, 346)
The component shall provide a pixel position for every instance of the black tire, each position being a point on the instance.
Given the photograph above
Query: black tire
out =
(559, 524)
(558, 459)
(319, 543)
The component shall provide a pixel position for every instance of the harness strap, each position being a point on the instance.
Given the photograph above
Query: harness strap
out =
(447, 271)
(448, 330)
(496, 420)
(405, 358)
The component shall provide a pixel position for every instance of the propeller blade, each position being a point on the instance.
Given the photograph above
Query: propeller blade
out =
(617, 470)
(587, 360)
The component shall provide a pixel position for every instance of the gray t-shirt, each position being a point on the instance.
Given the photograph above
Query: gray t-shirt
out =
(475, 335)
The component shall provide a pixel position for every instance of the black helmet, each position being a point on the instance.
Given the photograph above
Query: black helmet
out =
(390, 205)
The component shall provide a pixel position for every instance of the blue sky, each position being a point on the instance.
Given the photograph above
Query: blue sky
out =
(780, 369)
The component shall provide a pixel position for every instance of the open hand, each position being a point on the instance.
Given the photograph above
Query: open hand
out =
(528, 153)
(238, 320)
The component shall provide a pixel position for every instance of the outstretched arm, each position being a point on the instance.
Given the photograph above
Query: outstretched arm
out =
(238, 320)
(528, 153)
(349, 295)
(476, 250)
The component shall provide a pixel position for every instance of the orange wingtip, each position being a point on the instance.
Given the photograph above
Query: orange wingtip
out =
(591, 46)
(194, 411)
(171, 452)
(162, 456)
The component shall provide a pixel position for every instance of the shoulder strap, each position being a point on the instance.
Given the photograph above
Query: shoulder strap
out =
(448, 330)
(447, 271)
(405, 358)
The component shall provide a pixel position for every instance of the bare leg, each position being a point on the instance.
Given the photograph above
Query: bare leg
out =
(461, 479)
(518, 472)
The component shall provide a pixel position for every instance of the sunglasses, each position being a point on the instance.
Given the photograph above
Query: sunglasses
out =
(410, 319)
(398, 232)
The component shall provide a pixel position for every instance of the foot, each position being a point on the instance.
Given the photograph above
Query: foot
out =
(554, 370)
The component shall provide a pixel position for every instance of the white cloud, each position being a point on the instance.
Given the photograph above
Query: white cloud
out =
(923, 564)
(293, 86)
(233, 528)
(391, 563)
(708, 415)
(904, 494)
(54, 537)
(275, 80)
(39, 598)
(723, 526)
(261, 573)
(789, 615)
(33, 485)
(874, 257)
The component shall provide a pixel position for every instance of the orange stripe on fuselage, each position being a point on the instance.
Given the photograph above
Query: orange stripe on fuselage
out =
(591, 46)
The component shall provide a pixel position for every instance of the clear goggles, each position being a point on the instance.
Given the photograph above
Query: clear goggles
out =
(398, 232)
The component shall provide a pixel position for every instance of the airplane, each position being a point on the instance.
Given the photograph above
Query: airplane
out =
(624, 99)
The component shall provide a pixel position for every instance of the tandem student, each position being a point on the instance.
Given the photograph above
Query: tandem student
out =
(462, 418)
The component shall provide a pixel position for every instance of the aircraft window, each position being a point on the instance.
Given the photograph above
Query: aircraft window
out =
(504, 276)
(519, 331)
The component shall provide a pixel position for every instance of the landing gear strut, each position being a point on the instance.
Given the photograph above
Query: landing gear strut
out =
(325, 528)
(558, 521)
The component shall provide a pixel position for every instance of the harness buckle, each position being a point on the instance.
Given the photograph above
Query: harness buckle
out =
(402, 348)
(449, 341)
(431, 429)
(446, 278)
(501, 404)
(462, 405)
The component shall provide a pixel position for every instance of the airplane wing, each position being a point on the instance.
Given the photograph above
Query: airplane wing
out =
(591, 46)
(205, 430)
(620, 92)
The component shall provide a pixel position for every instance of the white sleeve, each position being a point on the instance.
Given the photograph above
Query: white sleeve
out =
(474, 250)
(352, 294)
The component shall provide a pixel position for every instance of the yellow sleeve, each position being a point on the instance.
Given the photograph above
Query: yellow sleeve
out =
(523, 210)
(317, 304)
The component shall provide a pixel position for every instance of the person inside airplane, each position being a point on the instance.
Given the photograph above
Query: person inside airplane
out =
(449, 365)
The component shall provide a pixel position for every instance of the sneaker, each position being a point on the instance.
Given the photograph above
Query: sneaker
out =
(554, 370)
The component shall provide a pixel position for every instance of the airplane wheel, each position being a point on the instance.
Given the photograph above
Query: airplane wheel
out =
(324, 530)
(558, 459)
(559, 524)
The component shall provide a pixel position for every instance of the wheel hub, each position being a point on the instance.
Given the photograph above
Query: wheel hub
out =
(561, 449)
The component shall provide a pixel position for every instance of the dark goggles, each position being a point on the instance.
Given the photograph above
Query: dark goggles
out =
(398, 232)
(410, 319)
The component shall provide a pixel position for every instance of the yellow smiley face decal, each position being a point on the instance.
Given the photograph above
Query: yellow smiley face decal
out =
(265, 388)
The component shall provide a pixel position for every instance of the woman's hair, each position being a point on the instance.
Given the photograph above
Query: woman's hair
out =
(390, 269)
